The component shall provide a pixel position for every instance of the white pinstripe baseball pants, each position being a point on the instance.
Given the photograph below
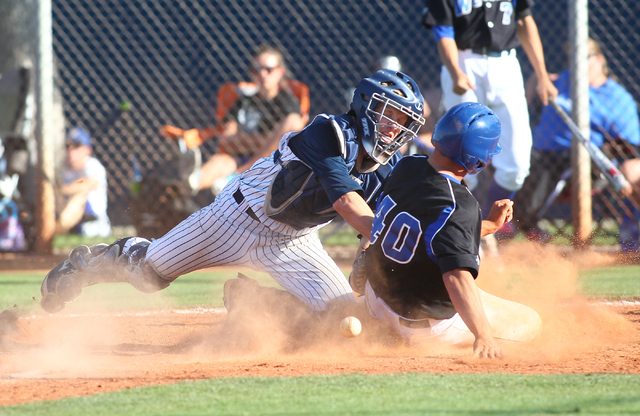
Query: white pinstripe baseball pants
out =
(223, 234)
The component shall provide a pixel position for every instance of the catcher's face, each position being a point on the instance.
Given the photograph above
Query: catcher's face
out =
(391, 121)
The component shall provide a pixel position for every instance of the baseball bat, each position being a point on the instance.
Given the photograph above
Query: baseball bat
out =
(606, 166)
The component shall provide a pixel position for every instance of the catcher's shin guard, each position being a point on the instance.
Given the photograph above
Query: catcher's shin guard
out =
(122, 261)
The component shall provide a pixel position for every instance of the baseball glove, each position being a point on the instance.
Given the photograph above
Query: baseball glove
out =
(357, 278)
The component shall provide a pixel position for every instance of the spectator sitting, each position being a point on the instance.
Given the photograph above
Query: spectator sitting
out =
(613, 116)
(82, 192)
(252, 126)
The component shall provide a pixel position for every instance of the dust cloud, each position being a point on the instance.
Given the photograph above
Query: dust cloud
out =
(546, 280)
(99, 343)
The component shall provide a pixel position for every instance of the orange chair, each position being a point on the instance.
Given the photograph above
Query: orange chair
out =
(228, 93)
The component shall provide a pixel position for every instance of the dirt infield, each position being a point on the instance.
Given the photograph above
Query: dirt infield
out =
(46, 357)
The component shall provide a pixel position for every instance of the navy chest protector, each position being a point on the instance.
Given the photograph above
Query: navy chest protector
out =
(295, 196)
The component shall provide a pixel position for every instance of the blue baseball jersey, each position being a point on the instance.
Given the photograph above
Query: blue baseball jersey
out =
(613, 113)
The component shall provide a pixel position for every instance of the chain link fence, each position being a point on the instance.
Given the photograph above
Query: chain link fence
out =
(125, 68)
(613, 118)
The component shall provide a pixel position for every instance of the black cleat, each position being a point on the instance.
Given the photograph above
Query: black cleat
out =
(64, 282)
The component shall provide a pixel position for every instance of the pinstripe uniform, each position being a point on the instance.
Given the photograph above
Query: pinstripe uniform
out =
(235, 229)
(268, 217)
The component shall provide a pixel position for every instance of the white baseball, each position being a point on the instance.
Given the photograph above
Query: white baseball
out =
(350, 327)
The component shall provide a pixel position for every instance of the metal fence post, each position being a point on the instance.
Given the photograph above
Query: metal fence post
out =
(580, 161)
(45, 206)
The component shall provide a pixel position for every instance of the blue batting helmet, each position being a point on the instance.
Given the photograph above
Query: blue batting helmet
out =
(468, 134)
(375, 94)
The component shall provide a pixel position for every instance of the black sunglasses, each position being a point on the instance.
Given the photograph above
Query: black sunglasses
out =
(72, 145)
(258, 68)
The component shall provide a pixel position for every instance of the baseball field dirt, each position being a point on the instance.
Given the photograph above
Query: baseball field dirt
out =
(47, 357)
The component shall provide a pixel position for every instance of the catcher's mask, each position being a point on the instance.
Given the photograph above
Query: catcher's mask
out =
(378, 102)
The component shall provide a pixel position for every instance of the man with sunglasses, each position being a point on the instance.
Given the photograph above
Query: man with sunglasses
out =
(267, 217)
(252, 126)
(82, 196)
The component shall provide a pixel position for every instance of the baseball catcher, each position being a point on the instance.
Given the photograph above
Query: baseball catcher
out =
(266, 217)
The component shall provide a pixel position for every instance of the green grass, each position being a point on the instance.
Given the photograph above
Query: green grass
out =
(198, 289)
(357, 394)
(620, 282)
(204, 289)
(69, 241)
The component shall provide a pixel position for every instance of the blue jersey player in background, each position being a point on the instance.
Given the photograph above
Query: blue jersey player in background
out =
(267, 217)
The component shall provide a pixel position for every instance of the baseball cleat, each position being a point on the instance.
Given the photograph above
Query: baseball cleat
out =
(65, 282)
(52, 303)
(232, 286)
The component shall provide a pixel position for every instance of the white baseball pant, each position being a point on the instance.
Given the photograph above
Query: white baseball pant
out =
(499, 86)
(510, 321)
(223, 233)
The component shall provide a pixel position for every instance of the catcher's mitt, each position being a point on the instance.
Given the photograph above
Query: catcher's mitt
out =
(357, 278)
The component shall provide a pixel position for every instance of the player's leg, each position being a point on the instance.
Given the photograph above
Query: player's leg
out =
(305, 269)
(250, 305)
(98, 264)
(210, 238)
(505, 96)
(205, 239)
(475, 67)
(471, 67)
(510, 321)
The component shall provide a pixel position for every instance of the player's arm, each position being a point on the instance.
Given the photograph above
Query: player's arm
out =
(318, 147)
(501, 212)
(80, 186)
(448, 52)
(465, 297)
(527, 31)
(356, 212)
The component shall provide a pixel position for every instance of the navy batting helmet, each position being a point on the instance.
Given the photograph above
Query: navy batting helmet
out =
(373, 96)
(468, 134)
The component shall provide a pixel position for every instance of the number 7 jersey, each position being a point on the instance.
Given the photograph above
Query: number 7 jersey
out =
(426, 224)
(487, 24)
